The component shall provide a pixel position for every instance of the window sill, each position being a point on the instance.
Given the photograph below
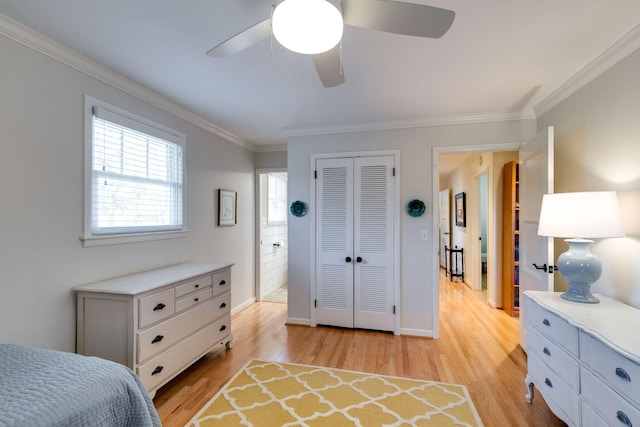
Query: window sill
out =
(120, 239)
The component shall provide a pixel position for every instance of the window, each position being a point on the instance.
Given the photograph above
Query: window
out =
(136, 178)
(277, 199)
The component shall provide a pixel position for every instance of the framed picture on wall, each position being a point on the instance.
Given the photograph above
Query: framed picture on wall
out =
(461, 210)
(227, 208)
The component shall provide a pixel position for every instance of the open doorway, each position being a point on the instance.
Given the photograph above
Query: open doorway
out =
(476, 173)
(272, 251)
(482, 238)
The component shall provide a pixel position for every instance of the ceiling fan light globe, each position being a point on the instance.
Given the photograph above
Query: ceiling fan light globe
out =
(307, 26)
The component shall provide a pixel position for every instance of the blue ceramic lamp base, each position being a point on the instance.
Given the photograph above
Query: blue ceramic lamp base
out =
(581, 269)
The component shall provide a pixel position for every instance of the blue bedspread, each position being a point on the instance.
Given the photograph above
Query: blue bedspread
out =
(41, 387)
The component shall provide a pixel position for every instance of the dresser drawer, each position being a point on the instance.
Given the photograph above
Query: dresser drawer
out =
(163, 367)
(590, 418)
(221, 281)
(193, 285)
(614, 409)
(554, 327)
(163, 335)
(222, 305)
(563, 401)
(618, 371)
(193, 299)
(557, 359)
(155, 307)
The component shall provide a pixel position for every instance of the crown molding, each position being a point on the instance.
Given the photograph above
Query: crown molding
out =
(595, 68)
(269, 148)
(36, 41)
(497, 116)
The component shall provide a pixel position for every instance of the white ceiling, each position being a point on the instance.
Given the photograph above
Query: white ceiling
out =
(500, 58)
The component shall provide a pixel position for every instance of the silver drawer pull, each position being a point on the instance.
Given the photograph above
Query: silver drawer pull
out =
(546, 351)
(548, 382)
(546, 322)
(621, 373)
(622, 417)
(158, 338)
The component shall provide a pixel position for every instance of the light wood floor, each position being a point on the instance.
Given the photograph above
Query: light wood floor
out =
(478, 347)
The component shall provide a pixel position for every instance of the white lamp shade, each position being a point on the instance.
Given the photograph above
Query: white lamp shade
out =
(588, 215)
(307, 26)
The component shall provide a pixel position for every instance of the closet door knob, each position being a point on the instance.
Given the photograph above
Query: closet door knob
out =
(359, 259)
(348, 259)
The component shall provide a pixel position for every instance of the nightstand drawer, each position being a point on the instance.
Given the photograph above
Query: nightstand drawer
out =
(163, 335)
(155, 307)
(613, 409)
(557, 359)
(193, 299)
(193, 285)
(557, 394)
(616, 370)
(221, 282)
(554, 327)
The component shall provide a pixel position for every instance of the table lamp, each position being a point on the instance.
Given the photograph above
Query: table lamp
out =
(579, 217)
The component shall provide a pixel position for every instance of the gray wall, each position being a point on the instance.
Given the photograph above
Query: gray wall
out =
(418, 259)
(597, 147)
(41, 193)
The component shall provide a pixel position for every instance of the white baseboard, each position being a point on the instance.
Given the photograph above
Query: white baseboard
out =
(295, 321)
(417, 332)
(242, 306)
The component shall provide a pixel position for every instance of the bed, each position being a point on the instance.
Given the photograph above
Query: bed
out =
(40, 387)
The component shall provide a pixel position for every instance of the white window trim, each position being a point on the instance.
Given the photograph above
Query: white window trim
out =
(90, 240)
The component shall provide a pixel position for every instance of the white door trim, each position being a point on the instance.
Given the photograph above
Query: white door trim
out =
(396, 227)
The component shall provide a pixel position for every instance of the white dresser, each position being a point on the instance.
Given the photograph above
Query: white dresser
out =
(584, 359)
(157, 322)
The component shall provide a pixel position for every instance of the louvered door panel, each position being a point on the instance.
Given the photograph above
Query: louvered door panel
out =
(334, 242)
(373, 243)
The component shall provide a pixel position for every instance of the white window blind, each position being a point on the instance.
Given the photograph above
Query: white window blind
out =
(137, 177)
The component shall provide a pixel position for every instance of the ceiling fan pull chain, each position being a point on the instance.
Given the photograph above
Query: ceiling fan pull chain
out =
(340, 56)
(273, 7)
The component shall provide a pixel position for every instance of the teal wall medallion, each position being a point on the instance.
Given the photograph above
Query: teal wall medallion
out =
(416, 208)
(298, 208)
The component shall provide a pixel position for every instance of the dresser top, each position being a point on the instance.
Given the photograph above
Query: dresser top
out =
(134, 284)
(610, 321)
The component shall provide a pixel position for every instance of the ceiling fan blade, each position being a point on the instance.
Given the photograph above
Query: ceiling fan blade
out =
(329, 67)
(242, 40)
(397, 17)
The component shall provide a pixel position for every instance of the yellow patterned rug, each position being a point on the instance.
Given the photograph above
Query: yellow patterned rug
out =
(265, 394)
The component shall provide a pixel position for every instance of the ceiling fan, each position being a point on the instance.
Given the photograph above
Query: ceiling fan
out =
(382, 15)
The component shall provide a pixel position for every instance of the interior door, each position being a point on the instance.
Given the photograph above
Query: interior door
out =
(334, 242)
(445, 224)
(373, 243)
(536, 179)
(355, 243)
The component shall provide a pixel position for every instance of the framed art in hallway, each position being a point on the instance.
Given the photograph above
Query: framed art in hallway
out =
(227, 208)
(461, 207)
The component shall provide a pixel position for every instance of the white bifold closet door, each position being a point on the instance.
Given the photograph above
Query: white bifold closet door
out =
(354, 243)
